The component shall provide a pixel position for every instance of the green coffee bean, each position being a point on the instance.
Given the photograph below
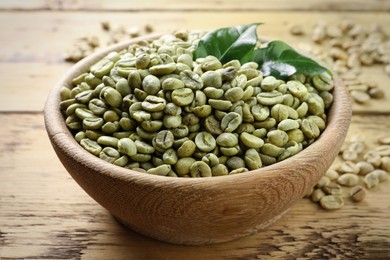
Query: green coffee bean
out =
(191, 80)
(80, 136)
(260, 113)
(235, 162)
(277, 137)
(162, 69)
(153, 104)
(227, 140)
(109, 154)
(93, 135)
(108, 141)
(151, 85)
(91, 146)
(172, 84)
(331, 202)
(318, 121)
(230, 122)
(183, 96)
(110, 127)
(332, 189)
(220, 104)
(172, 109)
(140, 157)
(348, 179)
(211, 63)
(270, 98)
(380, 174)
(302, 109)
(66, 103)
(210, 159)
(250, 73)
(134, 79)
(200, 169)
(315, 107)
(234, 94)
(288, 124)
(97, 106)
(219, 170)
(358, 193)
(271, 150)
(205, 142)
(183, 166)
(261, 132)
(296, 135)
(186, 59)
(72, 108)
(317, 195)
(112, 97)
(230, 151)
(251, 141)
(212, 79)
(142, 61)
(269, 83)
(296, 88)
(120, 135)
(267, 123)
(110, 116)
(280, 112)
(161, 170)
(163, 140)
(310, 129)
(213, 93)
(84, 97)
(327, 97)
(127, 146)
(252, 159)
(121, 161)
(322, 82)
(84, 113)
(186, 149)
(143, 147)
(102, 68)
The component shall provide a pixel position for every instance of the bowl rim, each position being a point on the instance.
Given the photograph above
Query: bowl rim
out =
(338, 119)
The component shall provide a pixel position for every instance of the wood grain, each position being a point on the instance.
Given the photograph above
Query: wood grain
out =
(44, 213)
(203, 5)
(33, 65)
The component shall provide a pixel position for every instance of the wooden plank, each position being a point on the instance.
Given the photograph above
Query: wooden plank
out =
(221, 6)
(33, 43)
(44, 214)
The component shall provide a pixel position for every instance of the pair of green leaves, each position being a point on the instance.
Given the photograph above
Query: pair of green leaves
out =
(239, 43)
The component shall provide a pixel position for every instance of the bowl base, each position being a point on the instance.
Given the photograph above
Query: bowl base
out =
(206, 240)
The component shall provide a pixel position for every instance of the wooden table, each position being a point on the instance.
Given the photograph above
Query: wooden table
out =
(44, 214)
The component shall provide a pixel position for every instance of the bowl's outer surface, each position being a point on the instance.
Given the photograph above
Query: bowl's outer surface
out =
(195, 210)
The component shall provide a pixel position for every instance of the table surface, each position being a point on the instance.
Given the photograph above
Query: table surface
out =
(44, 214)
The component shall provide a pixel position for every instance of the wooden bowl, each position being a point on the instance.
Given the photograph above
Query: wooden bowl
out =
(195, 210)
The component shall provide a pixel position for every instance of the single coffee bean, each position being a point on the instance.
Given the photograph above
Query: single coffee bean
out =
(251, 141)
(162, 170)
(200, 169)
(205, 142)
(358, 193)
(331, 202)
(127, 146)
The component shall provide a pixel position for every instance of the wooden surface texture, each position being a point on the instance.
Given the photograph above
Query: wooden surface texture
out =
(44, 214)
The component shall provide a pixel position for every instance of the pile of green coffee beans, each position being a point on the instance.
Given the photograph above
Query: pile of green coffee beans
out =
(151, 108)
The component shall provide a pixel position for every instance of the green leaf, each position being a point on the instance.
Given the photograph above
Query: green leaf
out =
(281, 61)
(230, 43)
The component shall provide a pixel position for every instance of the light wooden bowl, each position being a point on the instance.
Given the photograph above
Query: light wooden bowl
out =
(195, 210)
